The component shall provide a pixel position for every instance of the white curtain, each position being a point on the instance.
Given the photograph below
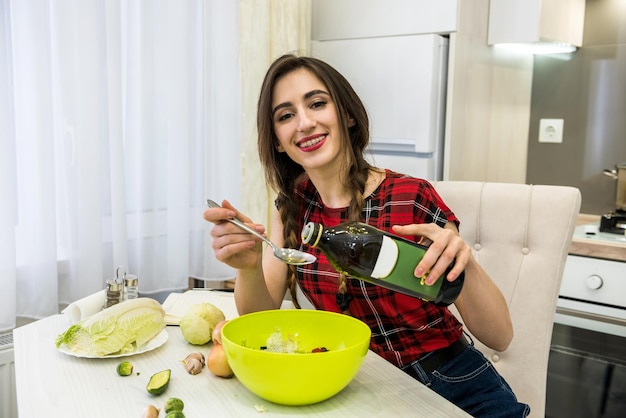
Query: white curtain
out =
(117, 119)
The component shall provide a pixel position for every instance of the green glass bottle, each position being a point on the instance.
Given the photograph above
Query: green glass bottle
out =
(364, 252)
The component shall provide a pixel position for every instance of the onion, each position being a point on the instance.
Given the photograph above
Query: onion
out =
(217, 362)
(217, 332)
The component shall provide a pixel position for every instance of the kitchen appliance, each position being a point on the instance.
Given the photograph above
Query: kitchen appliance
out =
(620, 194)
(615, 221)
(547, 27)
(402, 83)
(587, 365)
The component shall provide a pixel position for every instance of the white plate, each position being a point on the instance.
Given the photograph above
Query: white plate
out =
(156, 342)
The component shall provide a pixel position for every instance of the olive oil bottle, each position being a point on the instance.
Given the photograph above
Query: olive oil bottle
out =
(364, 252)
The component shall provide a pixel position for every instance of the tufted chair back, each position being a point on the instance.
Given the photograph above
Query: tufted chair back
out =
(520, 234)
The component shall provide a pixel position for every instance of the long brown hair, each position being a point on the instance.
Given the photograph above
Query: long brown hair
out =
(282, 173)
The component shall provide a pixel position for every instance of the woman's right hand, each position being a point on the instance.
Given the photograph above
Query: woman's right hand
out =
(231, 244)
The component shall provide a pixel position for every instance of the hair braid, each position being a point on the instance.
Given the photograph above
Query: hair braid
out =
(288, 209)
(356, 182)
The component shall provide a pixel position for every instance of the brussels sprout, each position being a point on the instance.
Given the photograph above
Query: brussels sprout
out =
(125, 368)
(173, 404)
(175, 414)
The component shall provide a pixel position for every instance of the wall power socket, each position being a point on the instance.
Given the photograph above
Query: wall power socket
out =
(551, 130)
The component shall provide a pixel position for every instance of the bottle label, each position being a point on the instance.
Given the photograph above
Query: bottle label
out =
(395, 267)
(387, 258)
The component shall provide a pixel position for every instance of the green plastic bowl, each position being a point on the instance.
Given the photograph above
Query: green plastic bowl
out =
(300, 378)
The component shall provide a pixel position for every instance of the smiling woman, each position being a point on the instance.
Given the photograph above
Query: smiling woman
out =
(111, 145)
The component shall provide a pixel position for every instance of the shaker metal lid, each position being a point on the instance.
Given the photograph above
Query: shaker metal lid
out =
(130, 280)
(114, 286)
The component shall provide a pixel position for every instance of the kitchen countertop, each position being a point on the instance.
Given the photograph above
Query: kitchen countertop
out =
(589, 242)
(51, 383)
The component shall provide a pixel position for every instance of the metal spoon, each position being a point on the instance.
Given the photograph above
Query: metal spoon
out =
(286, 255)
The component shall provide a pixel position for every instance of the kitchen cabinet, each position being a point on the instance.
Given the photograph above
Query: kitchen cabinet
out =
(351, 19)
(536, 21)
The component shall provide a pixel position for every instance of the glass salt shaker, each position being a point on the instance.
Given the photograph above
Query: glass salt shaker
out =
(131, 287)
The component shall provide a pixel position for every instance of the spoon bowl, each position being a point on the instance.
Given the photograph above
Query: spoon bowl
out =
(286, 255)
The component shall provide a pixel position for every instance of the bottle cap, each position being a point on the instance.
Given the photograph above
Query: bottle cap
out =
(311, 233)
(130, 280)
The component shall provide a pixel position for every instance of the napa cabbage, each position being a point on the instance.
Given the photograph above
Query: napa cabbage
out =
(119, 329)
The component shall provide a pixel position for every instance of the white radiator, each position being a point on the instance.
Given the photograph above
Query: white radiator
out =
(8, 395)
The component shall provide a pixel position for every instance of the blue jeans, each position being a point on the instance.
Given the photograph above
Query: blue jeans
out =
(470, 381)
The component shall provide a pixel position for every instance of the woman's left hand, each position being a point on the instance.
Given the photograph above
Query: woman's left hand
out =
(446, 246)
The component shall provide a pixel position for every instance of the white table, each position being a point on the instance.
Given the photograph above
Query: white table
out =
(53, 384)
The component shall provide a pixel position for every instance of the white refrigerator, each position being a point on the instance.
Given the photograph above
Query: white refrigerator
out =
(402, 82)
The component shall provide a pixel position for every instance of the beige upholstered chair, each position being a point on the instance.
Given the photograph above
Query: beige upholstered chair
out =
(520, 234)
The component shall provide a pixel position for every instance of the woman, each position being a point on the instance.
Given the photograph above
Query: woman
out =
(312, 133)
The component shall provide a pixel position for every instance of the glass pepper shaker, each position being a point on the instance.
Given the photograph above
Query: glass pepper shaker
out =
(113, 293)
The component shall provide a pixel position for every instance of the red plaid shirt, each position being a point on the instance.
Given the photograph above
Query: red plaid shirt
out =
(404, 328)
